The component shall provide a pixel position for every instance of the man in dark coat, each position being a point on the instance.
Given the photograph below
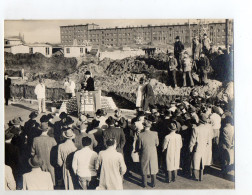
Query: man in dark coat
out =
(148, 96)
(31, 128)
(114, 133)
(7, 85)
(89, 86)
(203, 68)
(178, 48)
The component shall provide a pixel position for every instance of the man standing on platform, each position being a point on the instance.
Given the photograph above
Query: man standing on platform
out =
(40, 92)
(178, 48)
(89, 84)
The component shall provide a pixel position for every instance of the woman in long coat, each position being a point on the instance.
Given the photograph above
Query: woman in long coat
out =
(147, 147)
(172, 145)
(199, 146)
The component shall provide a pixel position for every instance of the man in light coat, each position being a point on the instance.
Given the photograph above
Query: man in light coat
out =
(37, 179)
(112, 167)
(40, 92)
(172, 144)
(147, 147)
(65, 155)
(200, 143)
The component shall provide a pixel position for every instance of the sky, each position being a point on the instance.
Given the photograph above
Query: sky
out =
(43, 31)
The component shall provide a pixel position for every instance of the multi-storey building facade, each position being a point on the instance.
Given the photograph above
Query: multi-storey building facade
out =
(165, 34)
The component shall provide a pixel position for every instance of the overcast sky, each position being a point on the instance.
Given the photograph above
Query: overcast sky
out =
(49, 30)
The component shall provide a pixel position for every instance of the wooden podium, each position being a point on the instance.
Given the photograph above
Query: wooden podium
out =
(88, 102)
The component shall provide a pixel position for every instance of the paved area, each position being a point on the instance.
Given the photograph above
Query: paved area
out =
(212, 180)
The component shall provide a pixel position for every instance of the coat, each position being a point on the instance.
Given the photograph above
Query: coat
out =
(196, 48)
(147, 147)
(178, 48)
(139, 96)
(227, 143)
(203, 65)
(118, 134)
(172, 64)
(201, 146)
(90, 84)
(78, 140)
(187, 64)
(37, 180)
(112, 169)
(173, 144)
(12, 157)
(148, 97)
(65, 157)
(45, 147)
(7, 88)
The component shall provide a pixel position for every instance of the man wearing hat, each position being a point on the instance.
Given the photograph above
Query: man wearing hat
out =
(149, 97)
(37, 179)
(172, 144)
(45, 147)
(89, 83)
(178, 48)
(40, 92)
(112, 166)
(82, 133)
(31, 128)
(203, 68)
(7, 88)
(200, 147)
(12, 154)
(196, 48)
(65, 154)
(84, 168)
(173, 64)
(114, 133)
(147, 147)
(187, 64)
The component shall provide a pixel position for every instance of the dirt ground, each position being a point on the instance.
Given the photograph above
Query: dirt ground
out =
(212, 180)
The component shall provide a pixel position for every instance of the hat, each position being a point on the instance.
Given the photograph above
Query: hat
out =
(172, 126)
(68, 133)
(205, 34)
(69, 121)
(44, 118)
(87, 73)
(16, 121)
(207, 93)
(140, 113)
(6, 73)
(147, 123)
(177, 37)
(8, 135)
(86, 141)
(33, 114)
(191, 109)
(35, 162)
(63, 115)
(110, 121)
(203, 118)
(99, 112)
(43, 127)
(216, 110)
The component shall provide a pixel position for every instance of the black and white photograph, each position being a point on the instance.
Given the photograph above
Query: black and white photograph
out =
(113, 104)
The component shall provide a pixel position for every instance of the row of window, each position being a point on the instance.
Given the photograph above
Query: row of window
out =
(68, 50)
(47, 50)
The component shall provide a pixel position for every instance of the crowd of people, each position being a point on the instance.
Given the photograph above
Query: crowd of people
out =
(187, 135)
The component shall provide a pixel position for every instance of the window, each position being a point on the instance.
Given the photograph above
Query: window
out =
(30, 50)
(81, 50)
(47, 50)
(68, 50)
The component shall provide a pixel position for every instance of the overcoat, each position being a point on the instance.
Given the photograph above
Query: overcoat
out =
(139, 96)
(65, 157)
(44, 146)
(200, 145)
(147, 147)
(173, 144)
